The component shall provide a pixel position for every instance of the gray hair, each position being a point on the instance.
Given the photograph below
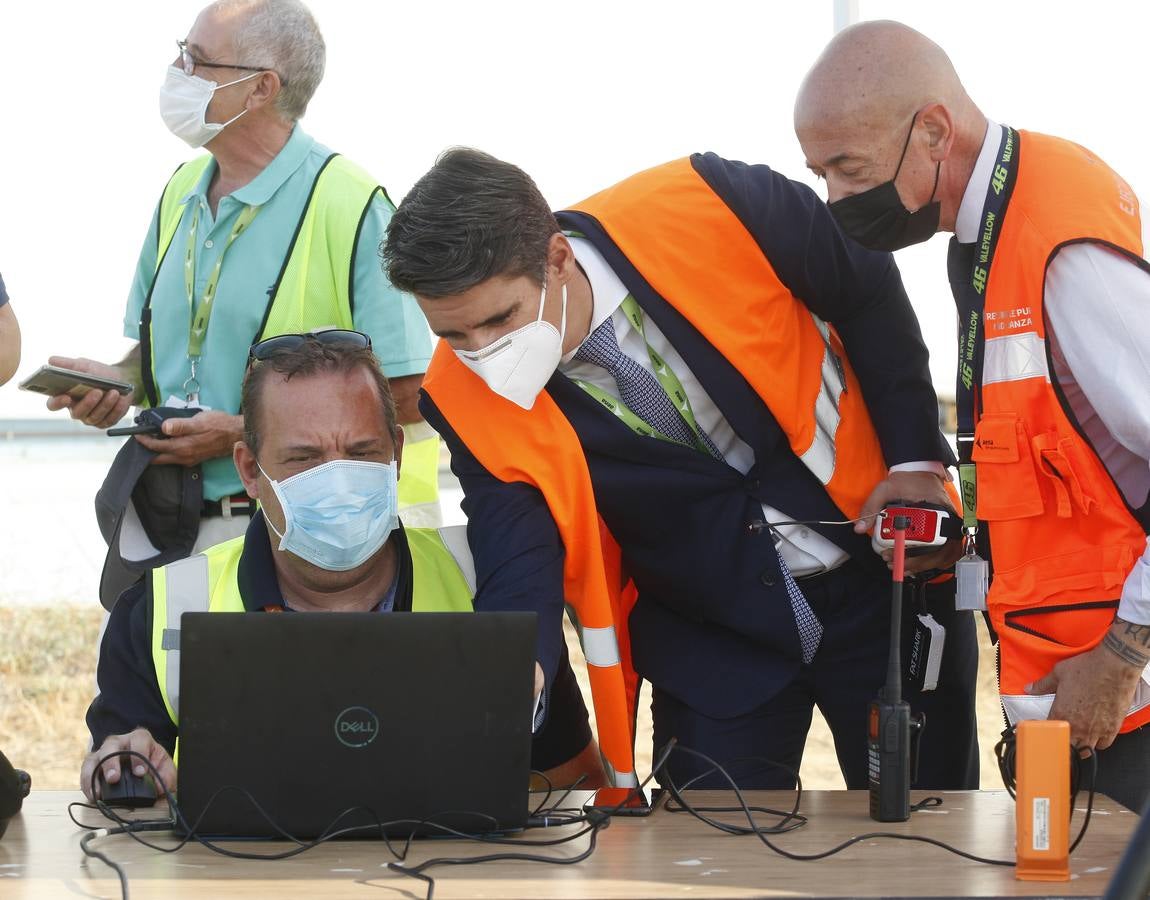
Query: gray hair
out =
(284, 36)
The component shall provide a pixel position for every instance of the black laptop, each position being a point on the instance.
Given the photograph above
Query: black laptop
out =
(341, 722)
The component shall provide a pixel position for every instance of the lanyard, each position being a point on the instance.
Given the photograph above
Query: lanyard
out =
(201, 312)
(968, 284)
(668, 381)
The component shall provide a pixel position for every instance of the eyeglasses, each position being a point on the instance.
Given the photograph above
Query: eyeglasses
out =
(343, 338)
(189, 63)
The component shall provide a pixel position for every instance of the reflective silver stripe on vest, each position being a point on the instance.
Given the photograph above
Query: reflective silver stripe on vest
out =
(186, 587)
(1014, 357)
(454, 538)
(820, 456)
(600, 646)
(620, 779)
(1022, 707)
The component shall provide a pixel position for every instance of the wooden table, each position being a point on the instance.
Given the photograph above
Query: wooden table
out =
(665, 855)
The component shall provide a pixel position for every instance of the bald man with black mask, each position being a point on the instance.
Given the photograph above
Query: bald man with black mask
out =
(1048, 271)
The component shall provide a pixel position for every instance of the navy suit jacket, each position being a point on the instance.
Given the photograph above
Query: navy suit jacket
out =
(712, 611)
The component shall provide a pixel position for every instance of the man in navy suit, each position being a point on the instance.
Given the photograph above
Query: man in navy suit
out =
(677, 387)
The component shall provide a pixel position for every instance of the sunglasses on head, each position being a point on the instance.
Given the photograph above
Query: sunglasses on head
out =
(332, 337)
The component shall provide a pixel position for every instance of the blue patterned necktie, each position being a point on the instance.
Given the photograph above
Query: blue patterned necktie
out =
(642, 393)
(810, 628)
(639, 390)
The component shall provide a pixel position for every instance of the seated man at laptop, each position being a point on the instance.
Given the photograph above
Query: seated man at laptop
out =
(321, 452)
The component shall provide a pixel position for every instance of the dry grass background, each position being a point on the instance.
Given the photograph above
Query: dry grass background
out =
(47, 665)
(47, 678)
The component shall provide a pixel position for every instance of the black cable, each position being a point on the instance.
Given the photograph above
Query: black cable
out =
(190, 832)
(597, 820)
(761, 834)
(567, 793)
(96, 833)
(788, 821)
(87, 839)
(547, 796)
(1089, 802)
(331, 831)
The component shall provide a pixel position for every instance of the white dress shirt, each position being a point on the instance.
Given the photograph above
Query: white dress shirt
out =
(1097, 304)
(806, 551)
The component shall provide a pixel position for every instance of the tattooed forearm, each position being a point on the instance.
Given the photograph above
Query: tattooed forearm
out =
(1138, 634)
(1124, 651)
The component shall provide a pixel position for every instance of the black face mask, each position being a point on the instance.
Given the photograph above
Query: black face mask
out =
(877, 218)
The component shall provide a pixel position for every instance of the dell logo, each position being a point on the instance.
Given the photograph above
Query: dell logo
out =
(356, 726)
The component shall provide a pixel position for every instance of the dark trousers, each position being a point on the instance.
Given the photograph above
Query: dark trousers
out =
(844, 676)
(1124, 770)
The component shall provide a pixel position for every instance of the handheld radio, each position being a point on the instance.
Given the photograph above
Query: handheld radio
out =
(892, 731)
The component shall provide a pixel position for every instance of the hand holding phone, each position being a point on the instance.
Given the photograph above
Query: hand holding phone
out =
(57, 380)
(93, 392)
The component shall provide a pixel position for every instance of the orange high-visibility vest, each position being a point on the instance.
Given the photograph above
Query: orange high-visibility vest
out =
(1061, 536)
(684, 241)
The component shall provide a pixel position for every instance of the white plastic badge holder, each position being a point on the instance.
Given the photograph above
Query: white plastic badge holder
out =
(972, 574)
(926, 652)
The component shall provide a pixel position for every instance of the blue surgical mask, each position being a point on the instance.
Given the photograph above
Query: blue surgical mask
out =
(337, 515)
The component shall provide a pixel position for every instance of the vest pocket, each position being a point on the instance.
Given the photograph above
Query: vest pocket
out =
(1054, 607)
(1054, 455)
(1092, 571)
(1007, 481)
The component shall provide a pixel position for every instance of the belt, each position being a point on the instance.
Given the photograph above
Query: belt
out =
(237, 505)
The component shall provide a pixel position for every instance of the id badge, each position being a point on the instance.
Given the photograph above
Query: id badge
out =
(972, 575)
(175, 401)
(925, 662)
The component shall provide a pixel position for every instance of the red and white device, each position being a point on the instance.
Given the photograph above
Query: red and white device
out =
(929, 526)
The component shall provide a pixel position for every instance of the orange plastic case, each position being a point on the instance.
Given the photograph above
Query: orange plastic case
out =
(1042, 767)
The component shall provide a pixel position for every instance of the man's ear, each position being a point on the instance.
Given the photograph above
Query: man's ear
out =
(398, 451)
(267, 88)
(939, 123)
(248, 468)
(561, 258)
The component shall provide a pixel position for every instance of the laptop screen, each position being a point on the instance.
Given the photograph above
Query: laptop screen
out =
(333, 721)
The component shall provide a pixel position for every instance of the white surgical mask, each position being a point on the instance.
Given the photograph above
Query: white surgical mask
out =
(184, 103)
(337, 515)
(519, 364)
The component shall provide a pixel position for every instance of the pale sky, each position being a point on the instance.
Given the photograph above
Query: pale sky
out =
(578, 94)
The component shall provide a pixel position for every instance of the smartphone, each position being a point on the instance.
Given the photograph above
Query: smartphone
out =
(53, 380)
(630, 802)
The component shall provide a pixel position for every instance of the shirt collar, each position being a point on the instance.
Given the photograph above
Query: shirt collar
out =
(607, 291)
(263, 187)
(260, 588)
(969, 220)
(260, 189)
(256, 574)
(199, 190)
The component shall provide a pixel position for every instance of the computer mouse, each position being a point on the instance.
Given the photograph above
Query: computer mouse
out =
(130, 792)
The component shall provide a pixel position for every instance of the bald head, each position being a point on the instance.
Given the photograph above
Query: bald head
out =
(874, 73)
(880, 87)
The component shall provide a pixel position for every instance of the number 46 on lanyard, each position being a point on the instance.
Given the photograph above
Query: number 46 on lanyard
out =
(201, 312)
(972, 574)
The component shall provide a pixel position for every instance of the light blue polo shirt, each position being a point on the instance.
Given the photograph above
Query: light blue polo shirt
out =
(399, 333)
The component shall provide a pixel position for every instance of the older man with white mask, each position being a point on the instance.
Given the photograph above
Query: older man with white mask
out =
(269, 233)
